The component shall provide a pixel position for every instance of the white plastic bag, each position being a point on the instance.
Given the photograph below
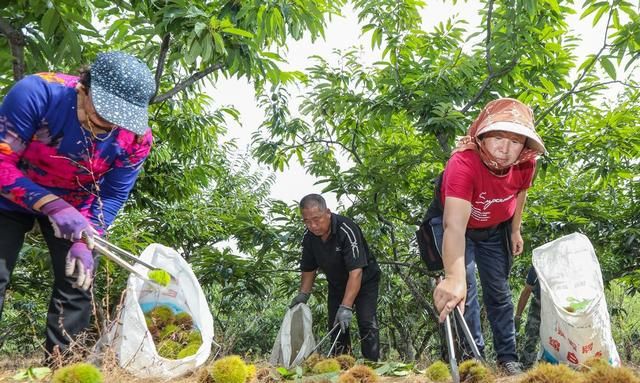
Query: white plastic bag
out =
(575, 324)
(295, 339)
(129, 337)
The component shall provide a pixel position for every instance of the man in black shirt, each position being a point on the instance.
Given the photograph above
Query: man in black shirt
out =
(335, 245)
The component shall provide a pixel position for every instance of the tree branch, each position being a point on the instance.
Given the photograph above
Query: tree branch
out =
(487, 47)
(186, 83)
(487, 56)
(606, 83)
(17, 42)
(393, 263)
(492, 73)
(162, 59)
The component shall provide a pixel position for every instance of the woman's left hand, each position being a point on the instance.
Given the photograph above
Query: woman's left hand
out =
(80, 265)
(517, 244)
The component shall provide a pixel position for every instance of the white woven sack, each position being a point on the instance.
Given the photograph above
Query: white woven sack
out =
(129, 337)
(295, 339)
(575, 324)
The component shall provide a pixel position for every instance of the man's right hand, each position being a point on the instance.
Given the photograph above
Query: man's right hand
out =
(448, 294)
(300, 298)
(517, 322)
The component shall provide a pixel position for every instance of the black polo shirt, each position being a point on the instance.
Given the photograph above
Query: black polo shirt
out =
(345, 250)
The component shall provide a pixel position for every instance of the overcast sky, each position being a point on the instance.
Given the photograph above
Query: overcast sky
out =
(343, 33)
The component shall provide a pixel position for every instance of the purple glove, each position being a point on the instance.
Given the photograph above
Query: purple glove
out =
(80, 265)
(67, 221)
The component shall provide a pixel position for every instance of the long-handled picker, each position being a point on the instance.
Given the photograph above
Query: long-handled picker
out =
(116, 254)
(451, 348)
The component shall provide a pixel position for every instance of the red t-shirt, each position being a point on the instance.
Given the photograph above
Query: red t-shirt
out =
(493, 198)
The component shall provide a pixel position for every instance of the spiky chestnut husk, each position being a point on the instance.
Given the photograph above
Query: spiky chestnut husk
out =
(438, 372)
(251, 372)
(551, 373)
(160, 276)
(472, 371)
(346, 361)
(155, 333)
(184, 321)
(311, 361)
(359, 374)
(264, 375)
(188, 350)
(194, 336)
(325, 366)
(170, 332)
(593, 363)
(604, 373)
(77, 373)
(161, 316)
(230, 369)
(169, 349)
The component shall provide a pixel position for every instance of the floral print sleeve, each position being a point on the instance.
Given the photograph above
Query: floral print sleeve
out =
(20, 113)
(118, 182)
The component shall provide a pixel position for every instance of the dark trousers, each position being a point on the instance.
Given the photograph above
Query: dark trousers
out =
(493, 264)
(365, 306)
(69, 307)
(529, 354)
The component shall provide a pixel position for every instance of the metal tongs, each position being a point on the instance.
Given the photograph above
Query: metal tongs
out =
(336, 326)
(451, 320)
(115, 253)
(453, 361)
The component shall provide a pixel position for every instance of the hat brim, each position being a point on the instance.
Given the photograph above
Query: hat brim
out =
(118, 111)
(534, 141)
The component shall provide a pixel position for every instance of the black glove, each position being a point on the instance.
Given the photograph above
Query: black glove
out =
(300, 298)
(343, 317)
(518, 321)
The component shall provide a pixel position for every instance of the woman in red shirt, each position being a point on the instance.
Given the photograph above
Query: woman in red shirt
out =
(484, 188)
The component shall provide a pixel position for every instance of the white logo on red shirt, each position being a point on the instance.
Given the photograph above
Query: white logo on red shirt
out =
(481, 213)
(488, 202)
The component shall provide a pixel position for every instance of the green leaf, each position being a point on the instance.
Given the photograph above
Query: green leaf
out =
(599, 14)
(532, 8)
(219, 42)
(588, 11)
(50, 21)
(286, 373)
(239, 32)
(272, 56)
(376, 38)
(554, 5)
(199, 27)
(32, 373)
(608, 67)
(548, 85)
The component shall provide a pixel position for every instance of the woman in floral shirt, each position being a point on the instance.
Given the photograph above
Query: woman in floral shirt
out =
(71, 149)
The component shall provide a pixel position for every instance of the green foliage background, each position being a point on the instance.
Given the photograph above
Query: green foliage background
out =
(374, 135)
